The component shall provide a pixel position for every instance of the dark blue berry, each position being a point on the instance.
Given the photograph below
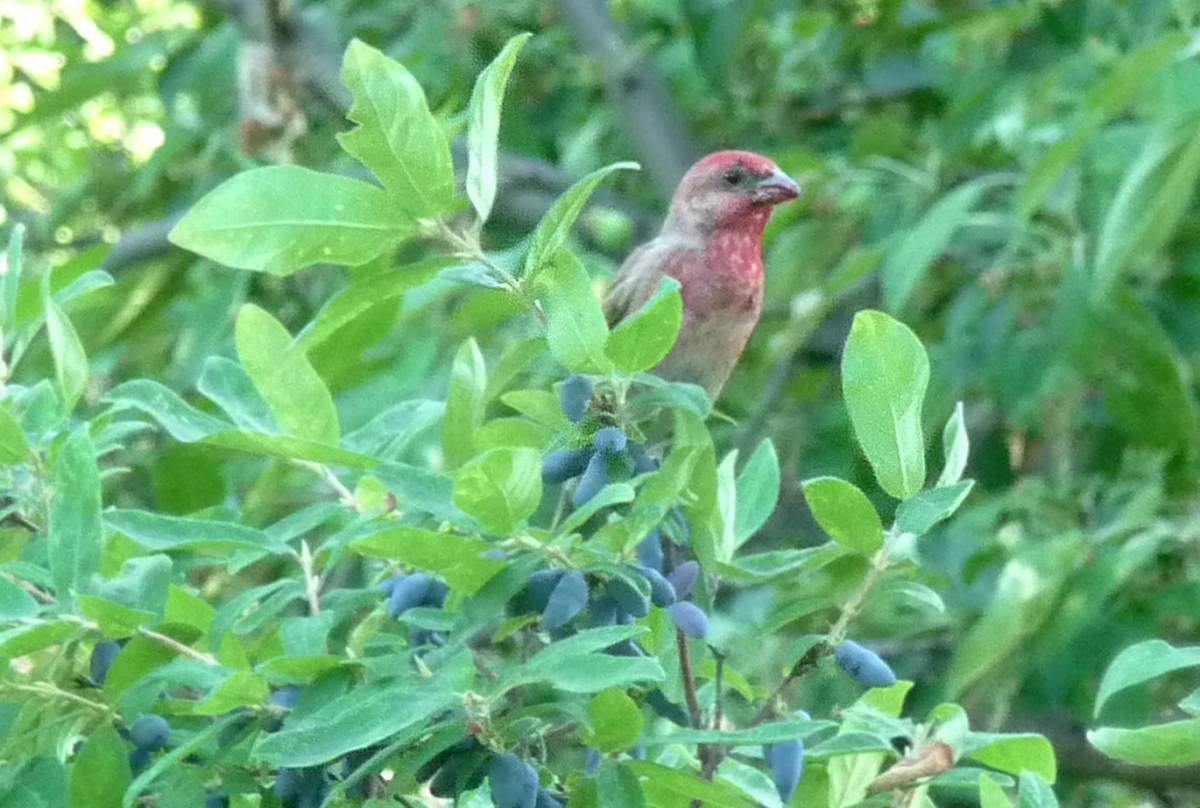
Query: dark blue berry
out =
(785, 759)
(150, 732)
(565, 464)
(574, 395)
(594, 478)
(610, 440)
(536, 593)
(567, 600)
(650, 551)
(661, 590)
(690, 618)
(407, 593)
(286, 697)
(864, 665)
(102, 659)
(643, 463)
(513, 782)
(683, 578)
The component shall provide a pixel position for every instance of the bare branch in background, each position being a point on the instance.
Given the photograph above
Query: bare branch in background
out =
(652, 119)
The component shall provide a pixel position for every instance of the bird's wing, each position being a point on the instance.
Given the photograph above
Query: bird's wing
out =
(638, 278)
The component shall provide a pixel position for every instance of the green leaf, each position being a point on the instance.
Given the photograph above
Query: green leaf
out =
(297, 396)
(641, 340)
(1035, 792)
(956, 446)
(555, 226)
(884, 375)
(25, 639)
(918, 514)
(229, 386)
(161, 532)
(616, 721)
(14, 448)
(1140, 663)
(289, 448)
(1153, 196)
(1012, 753)
(483, 125)
(458, 559)
(668, 786)
(757, 491)
(617, 787)
(577, 664)
(575, 327)
(500, 488)
(914, 595)
(239, 689)
(611, 494)
(1108, 97)
(464, 404)
(845, 513)
(100, 771)
(366, 715)
(181, 420)
(283, 218)
(397, 136)
(364, 294)
(908, 263)
(70, 361)
(1176, 743)
(991, 795)
(74, 530)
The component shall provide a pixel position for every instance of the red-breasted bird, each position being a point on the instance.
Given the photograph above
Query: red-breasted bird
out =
(711, 243)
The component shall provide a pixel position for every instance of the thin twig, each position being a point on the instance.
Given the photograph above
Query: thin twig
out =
(32, 589)
(835, 635)
(312, 583)
(50, 691)
(176, 646)
(345, 495)
(689, 681)
(712, 759)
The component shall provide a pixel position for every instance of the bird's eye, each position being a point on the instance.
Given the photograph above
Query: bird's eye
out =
(732, 176)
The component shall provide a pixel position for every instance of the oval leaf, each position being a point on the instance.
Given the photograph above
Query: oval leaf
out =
(642, 340)
(1173, 744)
(483, 126)
(885, 372)
(555, 226)
(1141, 663)
(297, 396)
(575, 327)
(282, 218)
(845, 513)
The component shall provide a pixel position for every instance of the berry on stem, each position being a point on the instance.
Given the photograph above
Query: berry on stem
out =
(864, 665)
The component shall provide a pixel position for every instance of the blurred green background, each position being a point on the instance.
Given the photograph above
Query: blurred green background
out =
(1014, 180)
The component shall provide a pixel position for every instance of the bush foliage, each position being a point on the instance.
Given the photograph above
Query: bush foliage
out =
(352, 496)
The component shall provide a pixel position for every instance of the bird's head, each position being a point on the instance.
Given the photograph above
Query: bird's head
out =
(729, 190)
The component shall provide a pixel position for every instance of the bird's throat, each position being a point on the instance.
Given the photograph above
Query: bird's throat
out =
(737, 250)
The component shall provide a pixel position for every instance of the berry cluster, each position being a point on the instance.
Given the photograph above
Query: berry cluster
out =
(609, 455)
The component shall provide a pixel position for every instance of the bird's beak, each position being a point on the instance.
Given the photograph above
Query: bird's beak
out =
(776, 187)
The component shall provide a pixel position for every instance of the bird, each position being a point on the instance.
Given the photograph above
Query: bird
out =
(711, 242)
